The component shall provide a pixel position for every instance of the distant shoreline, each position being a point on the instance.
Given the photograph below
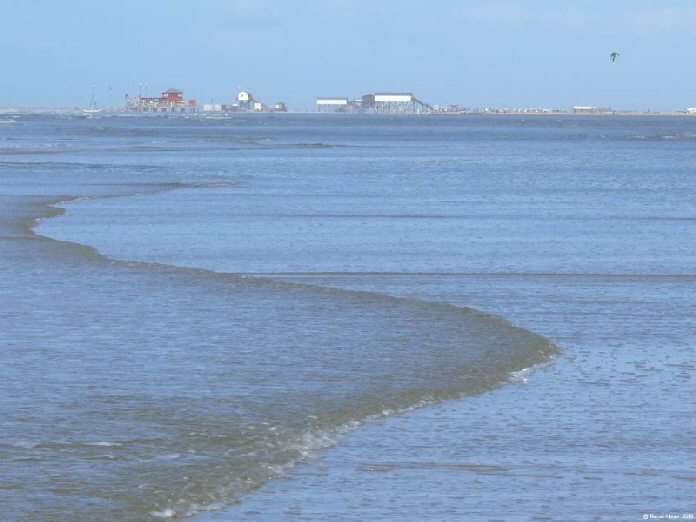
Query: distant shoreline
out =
(110, 111)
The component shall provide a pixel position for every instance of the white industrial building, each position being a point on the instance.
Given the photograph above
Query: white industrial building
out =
(397, 102)
(332, 104)
(380, 102)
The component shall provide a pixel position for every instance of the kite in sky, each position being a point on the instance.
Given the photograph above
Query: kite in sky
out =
(613, 56)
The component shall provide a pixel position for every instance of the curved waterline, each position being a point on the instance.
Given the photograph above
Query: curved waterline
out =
(251, 373)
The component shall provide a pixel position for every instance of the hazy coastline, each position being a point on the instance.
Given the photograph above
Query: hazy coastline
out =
(112, 111)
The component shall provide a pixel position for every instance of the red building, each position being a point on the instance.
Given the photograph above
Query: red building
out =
(172, 100)
(173, 95)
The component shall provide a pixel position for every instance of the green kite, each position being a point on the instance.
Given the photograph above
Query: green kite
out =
(613, 56)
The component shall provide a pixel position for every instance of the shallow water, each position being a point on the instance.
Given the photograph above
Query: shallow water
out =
(263, 286)
(605, 433)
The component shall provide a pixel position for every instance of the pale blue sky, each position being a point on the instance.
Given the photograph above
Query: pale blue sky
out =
(477, 53)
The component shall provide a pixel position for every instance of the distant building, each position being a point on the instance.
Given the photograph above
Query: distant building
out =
(173, 95)
(691, 110)
(335, 104)
(245, 103)
(399, 102)
(171, 100)
(381, 102)
(248, 103)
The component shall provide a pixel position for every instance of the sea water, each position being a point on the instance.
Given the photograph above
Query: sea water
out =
(347, 317)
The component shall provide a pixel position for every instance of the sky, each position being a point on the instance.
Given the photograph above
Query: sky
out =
(474, 53)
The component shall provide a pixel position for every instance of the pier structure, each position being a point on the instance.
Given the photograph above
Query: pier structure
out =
(379, 102)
